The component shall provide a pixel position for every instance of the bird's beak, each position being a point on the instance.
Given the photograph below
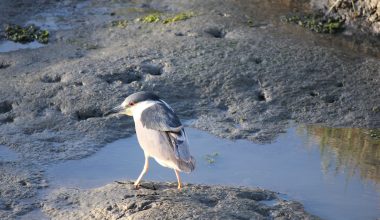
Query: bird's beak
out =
(117, 110)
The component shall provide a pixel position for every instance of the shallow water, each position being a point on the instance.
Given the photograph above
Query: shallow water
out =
(295, 164)
(7, 155)
(57, 19)
(7, 46)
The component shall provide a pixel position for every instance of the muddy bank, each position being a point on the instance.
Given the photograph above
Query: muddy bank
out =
(162, 201)
(18, 189)
(233, 66)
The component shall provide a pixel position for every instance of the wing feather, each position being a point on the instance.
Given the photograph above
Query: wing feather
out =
(161, 118)
(178, 142)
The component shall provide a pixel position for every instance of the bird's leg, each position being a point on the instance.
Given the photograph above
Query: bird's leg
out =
(178, 179)
(146, 166)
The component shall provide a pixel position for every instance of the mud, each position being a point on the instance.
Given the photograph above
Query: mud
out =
(161, 201)
(233, 66)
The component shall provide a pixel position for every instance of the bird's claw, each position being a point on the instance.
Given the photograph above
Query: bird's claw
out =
(137, 186)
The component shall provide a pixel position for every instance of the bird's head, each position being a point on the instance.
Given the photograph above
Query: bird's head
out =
(131, 102)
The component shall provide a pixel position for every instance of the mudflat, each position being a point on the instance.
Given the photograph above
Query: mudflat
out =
(233, 66)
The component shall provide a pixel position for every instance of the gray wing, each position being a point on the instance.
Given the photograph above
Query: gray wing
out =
(178, 142)
(161, 118)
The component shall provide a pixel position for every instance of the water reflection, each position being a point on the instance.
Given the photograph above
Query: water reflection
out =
(348, 150)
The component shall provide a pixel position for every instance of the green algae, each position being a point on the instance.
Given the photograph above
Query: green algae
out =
(211, 158)
(157, 17)
(26, 34)
(151, 18)
(316, 23)
(179, 17)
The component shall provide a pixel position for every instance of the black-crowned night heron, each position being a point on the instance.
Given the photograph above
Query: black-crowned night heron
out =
(159, 132)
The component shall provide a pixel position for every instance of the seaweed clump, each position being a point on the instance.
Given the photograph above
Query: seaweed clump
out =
(317, 23)
(156, 17)
(26, 34)
(151, 18)
(179, 17)
(211, 158)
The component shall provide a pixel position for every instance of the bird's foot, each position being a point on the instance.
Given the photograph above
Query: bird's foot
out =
(137, 186)
(179, 186)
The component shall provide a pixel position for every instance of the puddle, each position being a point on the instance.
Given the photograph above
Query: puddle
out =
(344, 186)
(34, 215)
(58, 19)
(7, 155)
(7, 46)
(49, 23)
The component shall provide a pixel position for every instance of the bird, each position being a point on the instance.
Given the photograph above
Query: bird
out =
(159, 131)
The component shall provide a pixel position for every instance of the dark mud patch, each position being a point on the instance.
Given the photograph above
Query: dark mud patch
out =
(261, 96)
(50, 79)
(4, 65)
(124, 77)
(215, 32)
(6, 120)
(257, 60)
(257, 196)
(314, 93)
(78, 83)
(330, 99)
(85, 114)
(152, 68)
(210, 202)
(5, 107)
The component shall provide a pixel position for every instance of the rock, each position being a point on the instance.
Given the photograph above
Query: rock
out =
(165, 201)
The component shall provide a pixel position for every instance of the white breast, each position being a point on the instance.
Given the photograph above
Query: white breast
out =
(140, 107)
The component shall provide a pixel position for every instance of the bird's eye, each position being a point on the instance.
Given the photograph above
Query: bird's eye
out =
(131, 104)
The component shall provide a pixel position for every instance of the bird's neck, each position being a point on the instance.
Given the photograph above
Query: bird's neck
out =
(140, 107)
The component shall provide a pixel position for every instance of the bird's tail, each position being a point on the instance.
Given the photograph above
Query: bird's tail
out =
(187, 167)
